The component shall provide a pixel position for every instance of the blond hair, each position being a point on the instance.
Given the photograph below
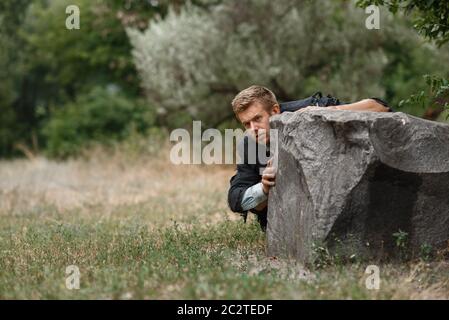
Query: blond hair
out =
(247, 97)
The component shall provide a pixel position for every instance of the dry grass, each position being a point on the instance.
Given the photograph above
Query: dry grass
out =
(106, 182)
(139, 227)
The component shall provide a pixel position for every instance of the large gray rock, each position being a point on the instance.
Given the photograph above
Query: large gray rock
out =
(350, 180)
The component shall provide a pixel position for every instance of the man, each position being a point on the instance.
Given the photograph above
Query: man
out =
(253, 107)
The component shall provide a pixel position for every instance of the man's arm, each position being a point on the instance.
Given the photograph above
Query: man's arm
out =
(363, 105)
(239, 184)
(254, 198)
(247, 190)
(247, 175)
(371, 104)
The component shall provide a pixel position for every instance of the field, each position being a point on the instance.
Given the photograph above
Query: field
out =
(138, 227)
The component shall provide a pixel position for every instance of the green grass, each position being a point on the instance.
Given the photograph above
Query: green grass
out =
(125, 259)
(150, 230)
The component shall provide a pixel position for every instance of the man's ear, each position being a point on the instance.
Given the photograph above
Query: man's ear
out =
(276, 109)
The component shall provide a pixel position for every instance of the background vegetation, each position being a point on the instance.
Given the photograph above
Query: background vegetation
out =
(137, 67)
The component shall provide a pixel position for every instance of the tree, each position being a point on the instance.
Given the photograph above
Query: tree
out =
(12, 13)
(431, 19)
(44, 66)
(99, 116)
(193, 62)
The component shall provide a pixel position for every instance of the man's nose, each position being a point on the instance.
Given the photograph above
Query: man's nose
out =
(254, 126)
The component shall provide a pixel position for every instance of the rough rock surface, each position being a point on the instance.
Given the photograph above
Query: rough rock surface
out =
(348, 181)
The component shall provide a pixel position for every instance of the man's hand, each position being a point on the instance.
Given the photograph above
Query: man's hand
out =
(268, 177)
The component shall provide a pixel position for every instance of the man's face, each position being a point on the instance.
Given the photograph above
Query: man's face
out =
(256, 120)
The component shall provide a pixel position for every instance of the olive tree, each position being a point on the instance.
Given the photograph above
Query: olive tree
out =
(194, 61)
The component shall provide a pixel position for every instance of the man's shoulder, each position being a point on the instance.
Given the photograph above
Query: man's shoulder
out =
(317, 99)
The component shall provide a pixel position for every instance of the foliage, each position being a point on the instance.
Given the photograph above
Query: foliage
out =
(401, 240)
(194, 62)
(99, 49)
(431, 18)
(54, 65)
(403, 76)
(102, 115)
(438, 94)
(12, 13)
(192, 59)
(426, 251)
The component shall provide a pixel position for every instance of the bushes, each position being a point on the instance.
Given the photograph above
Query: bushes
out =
(42, 64)
(195, 61)
(102, 115)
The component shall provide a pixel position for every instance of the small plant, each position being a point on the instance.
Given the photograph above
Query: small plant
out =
(321, 256)
(426, 251)
(401, 238)
(435, 96)
(336, 254)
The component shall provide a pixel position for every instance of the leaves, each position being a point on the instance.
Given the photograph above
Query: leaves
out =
(431, 17)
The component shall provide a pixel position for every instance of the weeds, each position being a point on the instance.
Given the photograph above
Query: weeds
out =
(140, 229)
(401, 238)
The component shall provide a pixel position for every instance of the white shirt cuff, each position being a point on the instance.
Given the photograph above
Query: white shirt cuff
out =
(253, 196)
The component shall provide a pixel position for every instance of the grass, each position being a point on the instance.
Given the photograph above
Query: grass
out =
(144, 229)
